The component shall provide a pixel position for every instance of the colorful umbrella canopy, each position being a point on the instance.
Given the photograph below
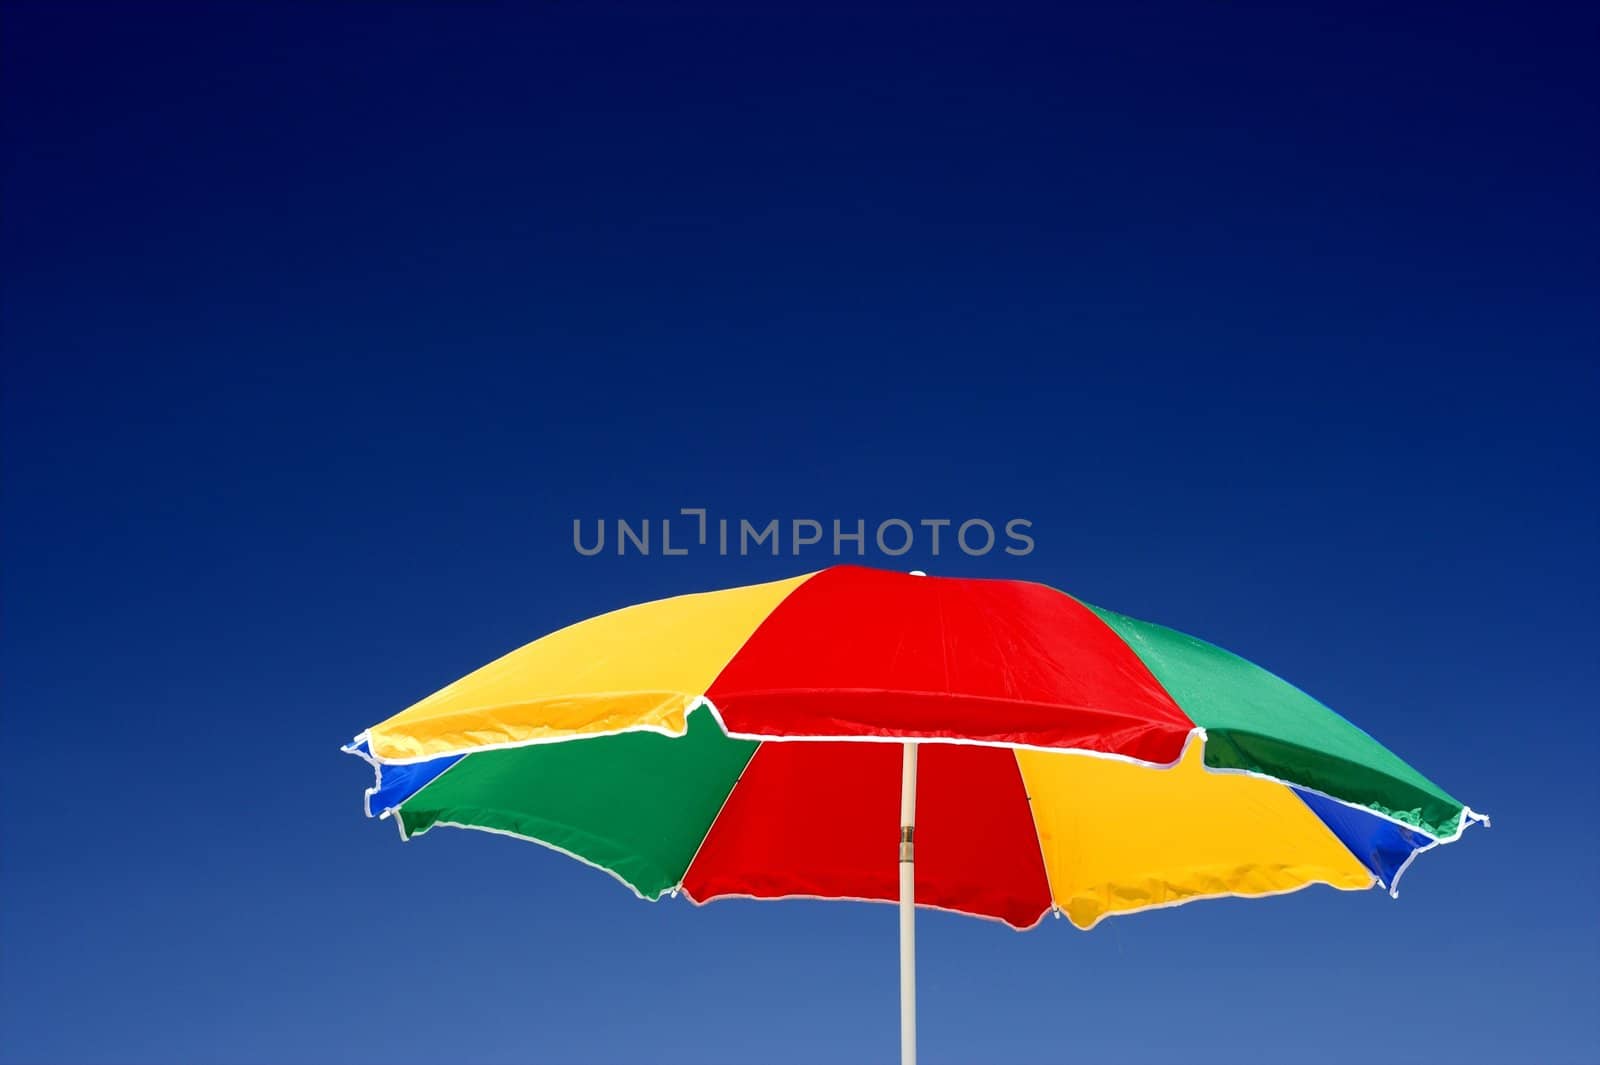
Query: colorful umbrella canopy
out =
(754, 742)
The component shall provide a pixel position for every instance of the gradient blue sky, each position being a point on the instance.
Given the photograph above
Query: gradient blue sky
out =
(322, 322)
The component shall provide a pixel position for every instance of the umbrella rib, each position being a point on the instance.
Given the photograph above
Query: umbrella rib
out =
(715, 818)
(1037, 838)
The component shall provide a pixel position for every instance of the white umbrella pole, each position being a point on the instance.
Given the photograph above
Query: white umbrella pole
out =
(908, 908)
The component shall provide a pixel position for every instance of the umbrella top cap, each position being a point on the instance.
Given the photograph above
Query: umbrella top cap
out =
(864, 571)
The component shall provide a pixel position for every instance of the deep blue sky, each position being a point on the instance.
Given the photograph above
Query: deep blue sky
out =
(322, 322)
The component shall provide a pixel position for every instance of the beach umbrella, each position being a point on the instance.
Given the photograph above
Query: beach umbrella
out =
(992, 747)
